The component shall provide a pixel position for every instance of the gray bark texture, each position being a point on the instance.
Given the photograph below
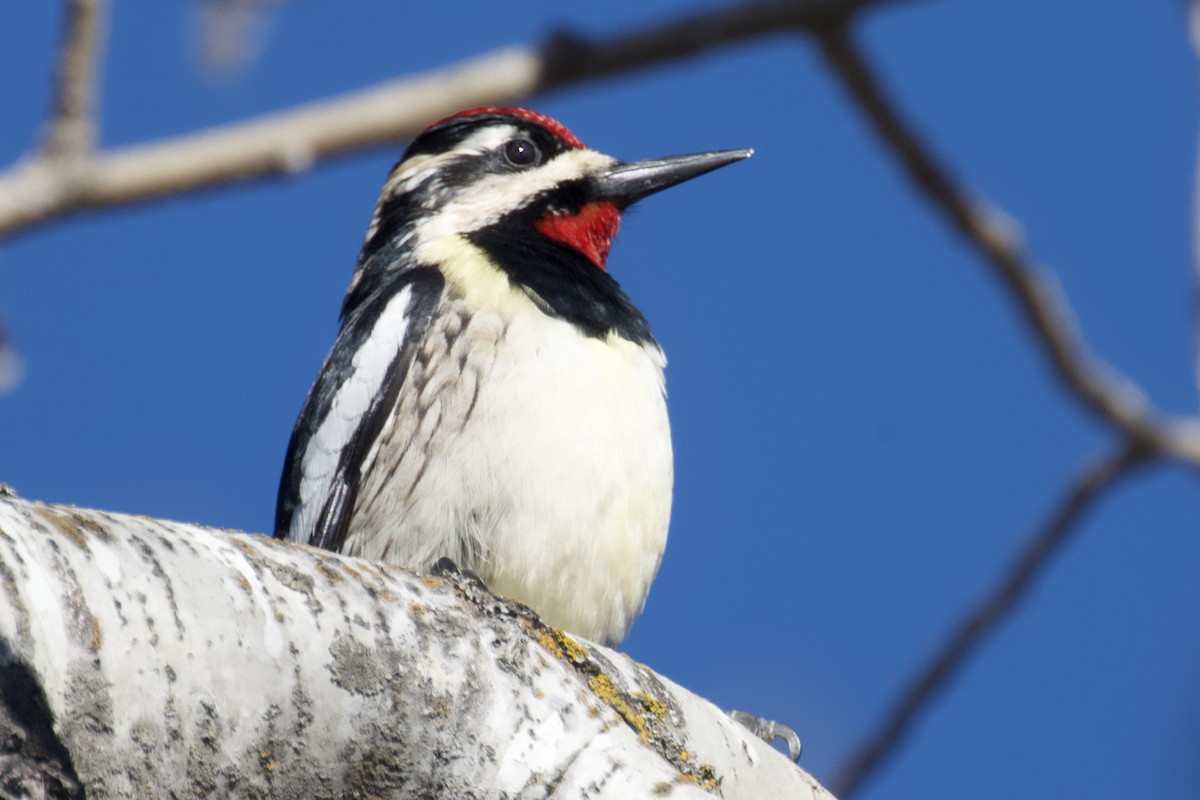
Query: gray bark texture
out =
(145, 658)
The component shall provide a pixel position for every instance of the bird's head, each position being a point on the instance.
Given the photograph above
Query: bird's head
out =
(521, 187)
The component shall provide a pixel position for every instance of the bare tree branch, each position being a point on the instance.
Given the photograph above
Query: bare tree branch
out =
(37, 190)
(1148, 432)
(72, 127)
(146, 658)
(571, 59)
(985, 619)
(1102, 389)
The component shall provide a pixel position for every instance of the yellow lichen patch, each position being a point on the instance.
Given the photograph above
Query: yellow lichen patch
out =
(352, 571)
(647, 720)
(563, 646)
(640, 710)
(707, 777)
(652, 705)
(571, 648)
(603, 688)
(704, 777)
(547, 641)
(432, 582)
(418, 609)
(267, 759)
(244, 582)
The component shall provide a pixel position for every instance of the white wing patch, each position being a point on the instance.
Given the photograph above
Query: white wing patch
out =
(371, 362)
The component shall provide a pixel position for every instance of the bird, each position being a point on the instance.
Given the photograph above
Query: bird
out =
(493, 396)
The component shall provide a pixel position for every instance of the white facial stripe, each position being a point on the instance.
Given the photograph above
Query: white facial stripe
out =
(350, 404)
(489, 199)
(413, 171)
(497, 195)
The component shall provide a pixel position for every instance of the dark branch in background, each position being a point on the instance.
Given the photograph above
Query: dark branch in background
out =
(36, 191)
(72, 126)
(1149, 433)
(1104, 391)
(950, 659)
(570, 59)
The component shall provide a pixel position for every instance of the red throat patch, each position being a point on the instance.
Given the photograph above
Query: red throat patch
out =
(590, 231)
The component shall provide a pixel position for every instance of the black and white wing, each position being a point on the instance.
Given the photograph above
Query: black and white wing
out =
(349, 404)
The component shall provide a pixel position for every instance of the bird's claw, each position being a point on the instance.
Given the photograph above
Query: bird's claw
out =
(446, 568)
(769, 730)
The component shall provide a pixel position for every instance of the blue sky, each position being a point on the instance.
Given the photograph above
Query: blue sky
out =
(865, 434)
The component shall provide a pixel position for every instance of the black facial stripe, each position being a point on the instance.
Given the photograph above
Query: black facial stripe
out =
(397, 212)
(563, 281)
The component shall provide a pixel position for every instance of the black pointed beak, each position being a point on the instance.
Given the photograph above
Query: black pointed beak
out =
(626, 183)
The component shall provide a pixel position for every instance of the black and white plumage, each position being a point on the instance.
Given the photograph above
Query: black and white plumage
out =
(493, 396)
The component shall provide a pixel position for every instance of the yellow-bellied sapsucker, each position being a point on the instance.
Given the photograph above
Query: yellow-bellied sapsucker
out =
(493, 396)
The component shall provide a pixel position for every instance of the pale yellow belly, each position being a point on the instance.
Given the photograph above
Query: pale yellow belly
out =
(536, 457)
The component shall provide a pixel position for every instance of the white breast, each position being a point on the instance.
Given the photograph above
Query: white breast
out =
(532, 455)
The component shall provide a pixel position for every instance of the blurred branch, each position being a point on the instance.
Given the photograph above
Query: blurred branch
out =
(1194, 37)
(1103, 390)
(231, 33)
(949, 660)
(70, 132)
(72, 125)
(38, 190)
(11, 368)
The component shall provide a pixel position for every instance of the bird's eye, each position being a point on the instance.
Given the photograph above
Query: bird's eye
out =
(522, 153)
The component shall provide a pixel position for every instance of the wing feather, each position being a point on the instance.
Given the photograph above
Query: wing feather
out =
(348, 406)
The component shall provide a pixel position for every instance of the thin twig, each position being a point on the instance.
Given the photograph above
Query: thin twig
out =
(1102, 389)
(36, 191)
(966, 639)
(72, 126)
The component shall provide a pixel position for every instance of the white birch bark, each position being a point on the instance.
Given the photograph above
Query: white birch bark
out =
(144, 658)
